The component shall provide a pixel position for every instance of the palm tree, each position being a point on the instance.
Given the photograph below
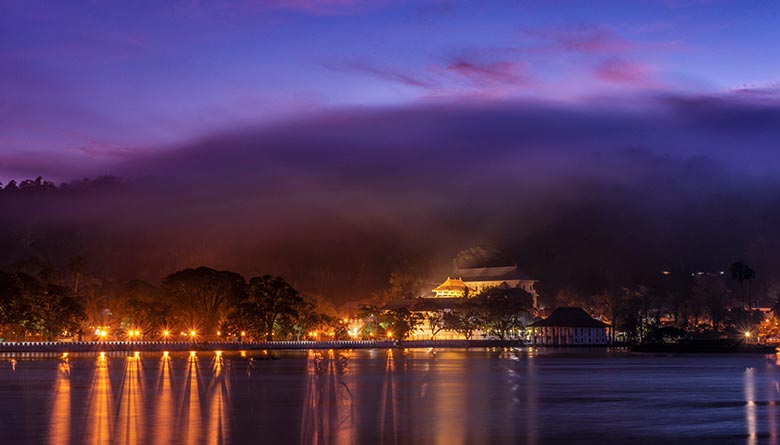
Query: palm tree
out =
(742, 272)
(77, 266)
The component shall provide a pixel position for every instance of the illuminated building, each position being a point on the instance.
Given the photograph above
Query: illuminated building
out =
(471, 281)
(569, 326)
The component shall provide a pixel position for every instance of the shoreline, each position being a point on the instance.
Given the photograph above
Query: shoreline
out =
(161, 346)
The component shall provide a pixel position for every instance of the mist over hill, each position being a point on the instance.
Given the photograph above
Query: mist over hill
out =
(581, 196)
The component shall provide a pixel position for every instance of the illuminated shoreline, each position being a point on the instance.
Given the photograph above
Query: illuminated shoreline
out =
(60, 347)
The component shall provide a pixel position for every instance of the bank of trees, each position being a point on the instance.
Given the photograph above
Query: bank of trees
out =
(35, 309)
(700, 302)
(191, 304)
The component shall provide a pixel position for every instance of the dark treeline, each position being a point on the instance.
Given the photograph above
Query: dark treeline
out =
(705, 303)
(192, 305)
(207, 304)
(571, 233)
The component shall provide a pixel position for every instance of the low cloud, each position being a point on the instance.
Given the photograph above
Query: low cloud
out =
(336, 200)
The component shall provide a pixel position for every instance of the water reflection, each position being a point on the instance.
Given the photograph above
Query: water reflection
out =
(750, 405)
(130, 409)
(100, 405)
(59, 423)
(189, 423)
(219, 414)
(390, 397)
(126, 403)
(328, 410)
(165, 406)
(388, 406)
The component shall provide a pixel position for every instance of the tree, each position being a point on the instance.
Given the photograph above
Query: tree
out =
(435, 321)
(77, 266)
(201, 298)
(570, 298)
(405, 284)
(400, 322)
(742, 273)
(63, 313)
(465, 318)
(611, 304)
(474, 256)
(643, 302)
(269, 299)
(302, 319)
(504, 308)
(370, 314)
(48, 310)
(144, 308)
(12, 304)
(713, 295)
(776, 305)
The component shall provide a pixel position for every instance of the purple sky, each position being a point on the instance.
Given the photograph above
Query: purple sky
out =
(89, 87)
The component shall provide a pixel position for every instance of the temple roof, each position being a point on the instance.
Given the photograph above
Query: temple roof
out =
(451, 284)
(503, 273)
(569, 317)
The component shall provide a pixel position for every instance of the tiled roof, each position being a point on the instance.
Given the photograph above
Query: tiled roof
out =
(455, 284)
(569, 317)
(503, 273)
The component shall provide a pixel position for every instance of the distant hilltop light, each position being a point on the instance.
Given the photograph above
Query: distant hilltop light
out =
(720, 272)
(666, 272)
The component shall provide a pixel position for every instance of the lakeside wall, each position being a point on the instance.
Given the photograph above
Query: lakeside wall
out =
(130, 346)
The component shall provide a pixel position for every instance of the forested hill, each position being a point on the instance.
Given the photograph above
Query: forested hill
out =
(575, 233)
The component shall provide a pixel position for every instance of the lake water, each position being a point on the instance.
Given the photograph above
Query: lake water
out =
(446, 397)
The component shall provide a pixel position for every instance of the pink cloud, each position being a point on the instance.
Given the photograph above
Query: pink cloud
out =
(582, 38)
(482, 73)
(622, 71)
(460, 77)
